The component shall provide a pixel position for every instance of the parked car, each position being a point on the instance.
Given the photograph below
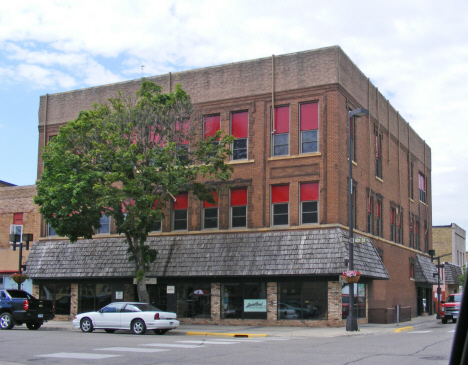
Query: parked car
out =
(450, 309)
(18, 307)
(134, 316)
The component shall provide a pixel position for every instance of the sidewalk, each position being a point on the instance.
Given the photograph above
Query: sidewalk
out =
(221, 330)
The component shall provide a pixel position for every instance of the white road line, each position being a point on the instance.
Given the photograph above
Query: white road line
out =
(171, 345)
(129, 349)
(418, 332)
(451, 331)
(237, 340)
(210, 342)
(74, 355)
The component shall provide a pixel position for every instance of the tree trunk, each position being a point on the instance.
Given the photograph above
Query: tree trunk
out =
(143, 295)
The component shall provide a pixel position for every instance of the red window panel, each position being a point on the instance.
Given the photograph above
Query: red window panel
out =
(208, 205)
(309, 191)
(369, 206)
(377, 147)
(18, 219)
(309, 116)
(416, 228)
(240, 125)
(212, 125)
(378, 209)
(282, 119)
(422, 183)
(238, 197)
(280, 194)
(392, 216)
(181, 201)
(184, 129)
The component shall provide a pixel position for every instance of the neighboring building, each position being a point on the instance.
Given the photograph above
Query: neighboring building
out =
(18, 214)
(278, 236)
(449, 242)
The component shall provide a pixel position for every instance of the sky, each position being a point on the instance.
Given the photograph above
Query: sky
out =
(415, 52)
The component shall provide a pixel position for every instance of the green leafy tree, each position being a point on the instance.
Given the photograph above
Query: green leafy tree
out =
(128, 160)
(462, 278)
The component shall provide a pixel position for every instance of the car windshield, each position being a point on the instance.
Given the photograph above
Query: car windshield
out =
(19, 294)
(141, 307)
(454, 298)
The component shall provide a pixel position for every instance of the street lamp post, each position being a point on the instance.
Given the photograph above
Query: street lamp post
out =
(439, 266)
(351, 321)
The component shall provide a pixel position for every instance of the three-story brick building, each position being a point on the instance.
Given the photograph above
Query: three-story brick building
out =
(274, 247)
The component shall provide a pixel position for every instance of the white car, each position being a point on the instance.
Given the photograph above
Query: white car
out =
(137, 317)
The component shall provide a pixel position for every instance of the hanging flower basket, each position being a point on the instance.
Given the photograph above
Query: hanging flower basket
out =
(19, 278)
(351, 276)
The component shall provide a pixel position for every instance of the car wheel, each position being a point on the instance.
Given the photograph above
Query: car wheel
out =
(109, 331)
(454, 320)
(138, 327)
(86, 325)
(444, 321)
(160, 332)
(6, 321)
(33, 326)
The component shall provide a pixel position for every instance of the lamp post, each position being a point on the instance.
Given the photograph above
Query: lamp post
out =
(17, 238)
(439, 266)
(351, 321)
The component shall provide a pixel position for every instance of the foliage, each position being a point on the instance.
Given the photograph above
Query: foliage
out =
(128, 159)
(462, 278)
(351, 273)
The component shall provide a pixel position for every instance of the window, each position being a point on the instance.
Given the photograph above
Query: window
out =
(422, 188)
(426, 241)
(210, 213)
(370, 215)
(194, 300)
(181, 135)
(180, 213)
(280, 204)
(92, 297)
(411, 268)
(240, 131)
(303, 300)
(16, 229)
(378, 227)
(411, 233)
(281, 131)
(156, 227)
(244, 300)
(359, 300)
(309, 203)
(60, 294)
(378, 155)
(308, 114)
(411, 180)
(400, 228)
(393, 225)
(417, 236)
(239, 208)
(211, 127)
(50, 231)
(105, 225)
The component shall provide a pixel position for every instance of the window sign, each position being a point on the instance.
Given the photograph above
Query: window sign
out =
(119, 295)
(170, 289)
(255, 305)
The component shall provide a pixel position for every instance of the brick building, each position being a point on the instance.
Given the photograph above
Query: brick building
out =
(278, 237)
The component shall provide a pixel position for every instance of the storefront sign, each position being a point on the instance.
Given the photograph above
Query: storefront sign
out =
(170, 289)
(119, 295)
(255, 305)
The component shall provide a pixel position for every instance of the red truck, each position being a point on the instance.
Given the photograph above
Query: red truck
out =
(450, 309)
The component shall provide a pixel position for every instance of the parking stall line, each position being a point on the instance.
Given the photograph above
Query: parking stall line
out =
(173, 345)
(129, 349)
(81, 356)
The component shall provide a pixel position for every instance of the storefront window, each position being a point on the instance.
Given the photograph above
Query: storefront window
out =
(303, 300)
(60, 294)
(93, 297)
(243, 300)
(194, 300)
(359, 300)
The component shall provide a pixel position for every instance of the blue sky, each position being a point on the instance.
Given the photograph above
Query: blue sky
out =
(415, 52)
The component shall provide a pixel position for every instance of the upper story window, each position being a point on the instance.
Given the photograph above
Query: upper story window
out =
(240, 131)
(417, 236)
(210, 213)
(400, 228)
(393, 225)
(211, 127)
(181, 133)
(180, 212)
(105, 225)
(238, 205)
(280, 205)
(411, 233)
(410, 182)
(378, 155)
(281, 131)
(422, 188)
(370, 215)
(378, 227)
(309, 203)
(308, 115)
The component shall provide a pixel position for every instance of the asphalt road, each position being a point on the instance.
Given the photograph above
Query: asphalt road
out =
(429, 344)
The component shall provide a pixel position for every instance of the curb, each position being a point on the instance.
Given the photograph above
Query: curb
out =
(404, 329)
(245, 335)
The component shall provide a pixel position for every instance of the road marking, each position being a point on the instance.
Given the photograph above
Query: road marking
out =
(402, 329)
(210, 342)
(129, 349)
(222, 334)
(171, 345)
(83, 356)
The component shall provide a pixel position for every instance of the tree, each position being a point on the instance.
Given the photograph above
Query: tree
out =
(462, 278)
(128, 160)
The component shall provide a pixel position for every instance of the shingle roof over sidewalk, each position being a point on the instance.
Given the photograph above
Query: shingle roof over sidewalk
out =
(452, 273)
(424, 271)
(310, 252)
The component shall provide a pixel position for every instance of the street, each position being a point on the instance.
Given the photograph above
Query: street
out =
(21, 346)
